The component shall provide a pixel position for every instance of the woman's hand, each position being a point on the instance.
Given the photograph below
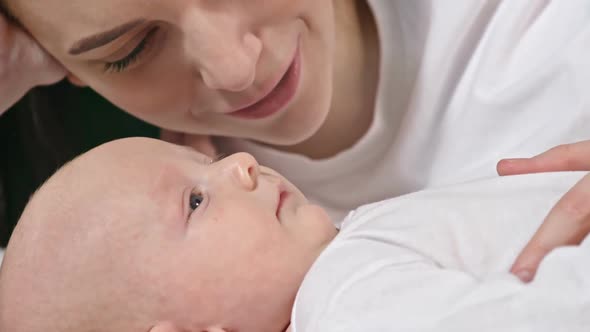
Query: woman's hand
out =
(568, 223)
(200, 143)
(23, 65)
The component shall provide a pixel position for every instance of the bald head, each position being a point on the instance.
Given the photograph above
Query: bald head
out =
(134, 236)
(63, 269)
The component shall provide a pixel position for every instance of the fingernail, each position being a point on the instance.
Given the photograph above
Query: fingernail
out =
(525, 275)
(512, 161)
(507, 163)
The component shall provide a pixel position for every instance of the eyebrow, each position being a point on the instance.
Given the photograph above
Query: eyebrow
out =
(103, 38)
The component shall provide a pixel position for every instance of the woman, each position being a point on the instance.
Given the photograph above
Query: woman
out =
(399, 95)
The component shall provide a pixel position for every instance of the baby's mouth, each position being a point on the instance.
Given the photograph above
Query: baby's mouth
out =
(283, 194)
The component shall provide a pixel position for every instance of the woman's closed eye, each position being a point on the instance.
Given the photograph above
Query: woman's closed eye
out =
(144, 47)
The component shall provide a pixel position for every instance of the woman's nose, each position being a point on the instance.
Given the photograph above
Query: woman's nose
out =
(231, 66)
(223, 50)
(244, 170)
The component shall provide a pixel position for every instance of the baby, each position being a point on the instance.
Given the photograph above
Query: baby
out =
(141, 235)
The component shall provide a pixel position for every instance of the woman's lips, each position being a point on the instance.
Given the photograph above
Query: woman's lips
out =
(281, 94)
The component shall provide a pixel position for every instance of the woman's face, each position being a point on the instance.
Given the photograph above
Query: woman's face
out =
(258, 69)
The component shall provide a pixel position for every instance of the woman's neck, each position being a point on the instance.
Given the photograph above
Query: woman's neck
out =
(356, 72)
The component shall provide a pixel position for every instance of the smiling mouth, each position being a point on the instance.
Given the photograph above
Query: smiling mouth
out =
(276, 99)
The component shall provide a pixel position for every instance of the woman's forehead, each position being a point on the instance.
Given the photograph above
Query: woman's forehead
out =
(88, 16)
(63, 22)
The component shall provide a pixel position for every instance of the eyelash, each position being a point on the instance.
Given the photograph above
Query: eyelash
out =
(121, 65)
(195, 191)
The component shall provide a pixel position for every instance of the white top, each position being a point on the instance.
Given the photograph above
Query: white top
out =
(438, 261)
(462, 86)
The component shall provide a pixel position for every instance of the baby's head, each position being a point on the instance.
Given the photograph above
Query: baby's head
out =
(139, 234)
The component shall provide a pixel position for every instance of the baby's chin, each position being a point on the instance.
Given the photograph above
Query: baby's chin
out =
(323, 223)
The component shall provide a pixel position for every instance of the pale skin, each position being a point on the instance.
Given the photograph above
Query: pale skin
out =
(20, 56)
(192, 79)
(160, 238)
(196, 246)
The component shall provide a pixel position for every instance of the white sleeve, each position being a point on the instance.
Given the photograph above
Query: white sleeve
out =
(419, 296)
(439, 260)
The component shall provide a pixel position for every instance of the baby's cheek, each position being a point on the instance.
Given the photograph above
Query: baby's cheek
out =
(316, 224)
(315, 216)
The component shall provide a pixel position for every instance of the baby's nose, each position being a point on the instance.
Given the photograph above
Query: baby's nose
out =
(245, 170)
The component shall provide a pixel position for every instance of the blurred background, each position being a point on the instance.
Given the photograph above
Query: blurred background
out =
(47, 128)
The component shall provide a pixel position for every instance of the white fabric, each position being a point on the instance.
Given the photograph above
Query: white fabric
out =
(463, 85)
(438, 260)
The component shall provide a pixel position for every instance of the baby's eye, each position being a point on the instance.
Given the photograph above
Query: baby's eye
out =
(195, 200)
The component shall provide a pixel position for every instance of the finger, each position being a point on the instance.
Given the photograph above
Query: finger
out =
(568, 223)
(42, 68)
(173, 137)
(23, 64)
(22, 54)
(10, 88)
(201, 143)
(567, 157)
(527, 263)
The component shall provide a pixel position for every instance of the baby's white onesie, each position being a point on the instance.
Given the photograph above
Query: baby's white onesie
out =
(439, 260)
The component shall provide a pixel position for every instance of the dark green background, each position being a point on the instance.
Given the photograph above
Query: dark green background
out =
(88, 119)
